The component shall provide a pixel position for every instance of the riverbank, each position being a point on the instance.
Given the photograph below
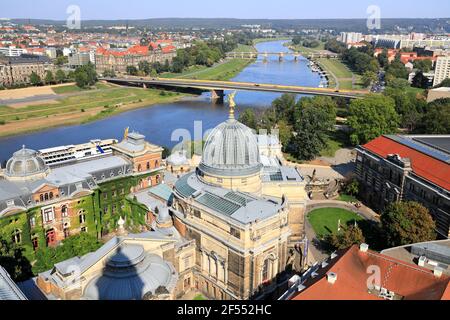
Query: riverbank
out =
(84, 107)
(341, 76)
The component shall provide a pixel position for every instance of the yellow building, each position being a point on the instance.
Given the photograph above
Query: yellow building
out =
(245, 215)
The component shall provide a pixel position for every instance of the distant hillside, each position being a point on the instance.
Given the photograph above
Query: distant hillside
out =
(417, 25)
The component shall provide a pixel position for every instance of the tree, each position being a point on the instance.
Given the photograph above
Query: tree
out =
(397, 69)
(60, 76)
(383, 58)
(61, 60)
(314, 117)
(372, 117)
(368, 78)
(445, 83)
(35, 79)
(145, 67)
(85, 76)
(49, 78)
(109, 73)
(285, 133)
(352, 188)
(284, 107)
(420, 81)
(132, 70)
(436, 119)
(81, 79)
(13, 260)
(423, 65)
(407, 223)
(350, 236)
(408, 105)
(248, 118)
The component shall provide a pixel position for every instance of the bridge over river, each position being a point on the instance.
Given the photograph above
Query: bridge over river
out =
(217, 88)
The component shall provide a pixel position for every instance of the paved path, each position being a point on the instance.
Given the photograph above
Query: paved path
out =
(315, 253)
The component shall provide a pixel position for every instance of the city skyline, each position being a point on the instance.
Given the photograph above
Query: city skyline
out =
(252, 9)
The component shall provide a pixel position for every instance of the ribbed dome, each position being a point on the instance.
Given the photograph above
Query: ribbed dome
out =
(231, 150)
(25, 163)
(130, 274)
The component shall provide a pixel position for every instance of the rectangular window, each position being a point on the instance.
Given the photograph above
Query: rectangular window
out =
(33, 222)
(48, 215)
(235, 233)
(84, 229)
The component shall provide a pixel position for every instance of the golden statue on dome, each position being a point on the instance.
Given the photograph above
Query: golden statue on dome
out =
(232, 104)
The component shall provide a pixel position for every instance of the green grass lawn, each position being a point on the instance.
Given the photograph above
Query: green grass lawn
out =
(342, 72)
(199, 297)
(335, 140)
(74, 88)
(325, 221)
(244, 48)
(222, 72)
(87, 100)
(347, 198)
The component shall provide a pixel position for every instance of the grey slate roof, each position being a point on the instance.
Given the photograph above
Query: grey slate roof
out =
(8, 289)
(69, 179)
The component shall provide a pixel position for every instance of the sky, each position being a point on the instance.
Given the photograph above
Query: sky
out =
(250, 9)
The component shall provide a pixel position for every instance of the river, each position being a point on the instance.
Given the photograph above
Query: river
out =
(158, 122)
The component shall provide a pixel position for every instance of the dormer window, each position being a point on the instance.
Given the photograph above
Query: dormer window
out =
(10, 203)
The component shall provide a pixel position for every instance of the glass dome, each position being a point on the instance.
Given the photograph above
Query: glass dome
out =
(25, 163)
(231, 150)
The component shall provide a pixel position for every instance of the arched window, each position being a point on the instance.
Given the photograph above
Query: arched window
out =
(266, 270)
(148, 165)
(139, 168)
(17, 236)
(51, 195)
(64, 211)
(50, 237)
(41, 198)
(158, 179)
(46, 197)
(35, 242)
(82, 218)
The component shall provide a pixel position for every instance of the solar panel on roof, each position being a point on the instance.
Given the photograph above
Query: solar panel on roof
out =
(218, 204)
(183, 187)
(416, 145)
(233, 196)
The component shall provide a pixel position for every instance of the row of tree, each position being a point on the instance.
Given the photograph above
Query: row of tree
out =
(303, 125)
(84, 77)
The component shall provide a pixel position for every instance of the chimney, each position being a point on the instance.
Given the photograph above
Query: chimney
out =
(422, 261)
(364, 247)
(331, 277)
(438, 271)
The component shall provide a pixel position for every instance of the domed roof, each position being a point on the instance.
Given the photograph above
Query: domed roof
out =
(131, 274)
(25, 163)
(178, 158)
(231, 150)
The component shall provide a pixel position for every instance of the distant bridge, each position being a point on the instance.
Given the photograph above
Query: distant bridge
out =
(217, 88)
(280, 55)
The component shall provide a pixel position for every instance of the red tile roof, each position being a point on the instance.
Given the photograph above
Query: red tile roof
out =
(425, 166)
(352, 268)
